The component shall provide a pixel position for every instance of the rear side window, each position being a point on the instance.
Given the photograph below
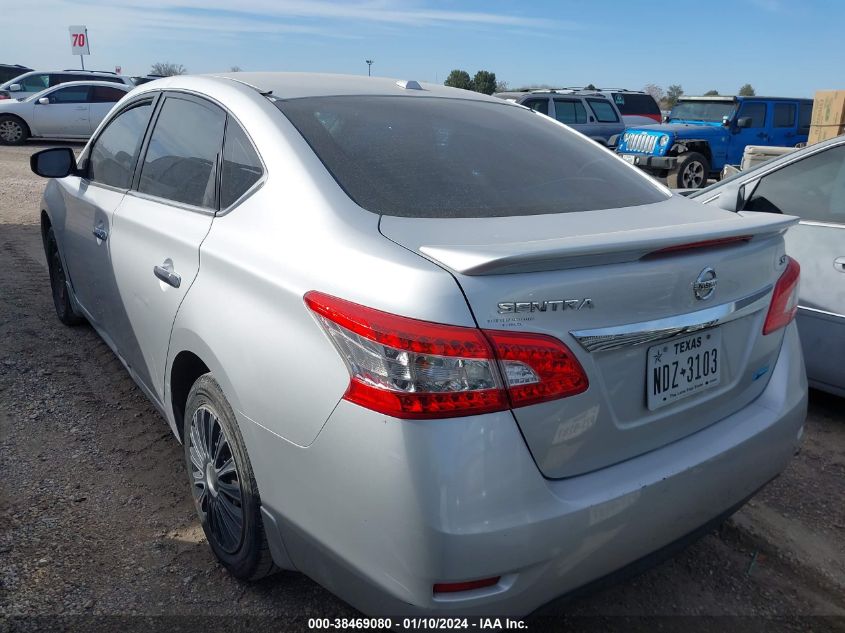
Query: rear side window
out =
(538, 105)
(431, 157)
(570, 111)
(603, 110)
(805, 115)
(73, 94)
(784, 115)
(635, 104)
(106, 94)
(755, 111)
(241, 165)
(812, 188)
(61, 78)
(181, 160)
(116, 149)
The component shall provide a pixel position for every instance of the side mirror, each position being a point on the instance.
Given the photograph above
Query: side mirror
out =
(15, 88)
(56, 162)
(743, 122)
(44, 101)
(732, 197)
(613, 141)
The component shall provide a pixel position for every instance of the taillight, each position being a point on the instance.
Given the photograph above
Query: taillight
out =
(413, 369)
(784, 299)
(536, 367)
(722, 241)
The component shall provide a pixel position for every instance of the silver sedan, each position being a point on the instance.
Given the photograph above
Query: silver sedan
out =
(71, 110)
(435, 350)
(810, 184)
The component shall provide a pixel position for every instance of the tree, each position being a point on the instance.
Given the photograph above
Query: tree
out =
(235, 69)
(747, 91)
(484, 82)
(655, 91)
(501, 86)
(711, 93)
(673, 93)
(459, 79)
(167, 69)
(589, 87)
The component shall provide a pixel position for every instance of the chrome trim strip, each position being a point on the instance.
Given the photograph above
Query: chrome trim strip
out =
(619, 336)
(817, 311)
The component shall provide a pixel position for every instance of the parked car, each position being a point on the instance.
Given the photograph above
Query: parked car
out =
(590, 113)
(433, 373)
(809, 183)
(637, 107)
(28, 84)
(10, 71)
(70, 110)
(703, 134)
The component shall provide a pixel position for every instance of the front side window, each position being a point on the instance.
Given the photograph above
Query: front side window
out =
(538, 105)
(181, 160)
(755, 111)
(812, 188)
(241, 165)
(34, 83)
(73, 94)
(570, 111)
(432, 157)
(116, 149)
(784, 115)
(603, 110)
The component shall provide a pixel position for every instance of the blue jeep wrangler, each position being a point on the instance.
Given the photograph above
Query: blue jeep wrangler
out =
(703, 134)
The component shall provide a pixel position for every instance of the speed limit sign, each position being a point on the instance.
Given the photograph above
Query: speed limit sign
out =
(79, 40)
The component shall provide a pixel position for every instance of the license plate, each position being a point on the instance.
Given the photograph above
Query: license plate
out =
(629, 158)
(680, 368)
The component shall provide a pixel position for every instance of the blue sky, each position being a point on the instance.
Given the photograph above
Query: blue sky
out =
(782, 47)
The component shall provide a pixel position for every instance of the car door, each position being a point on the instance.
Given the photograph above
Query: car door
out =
(571, 112)
(813, 188)
(65, 114)
(91, 200)
(102, 100)
(158, 229)
(607, 119)
(784, 128)
(755, 133)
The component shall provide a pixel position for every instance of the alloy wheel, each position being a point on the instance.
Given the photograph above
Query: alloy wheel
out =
(215, 481)
(10, 131)
(693, 175)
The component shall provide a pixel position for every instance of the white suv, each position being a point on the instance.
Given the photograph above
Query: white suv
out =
(29, 83)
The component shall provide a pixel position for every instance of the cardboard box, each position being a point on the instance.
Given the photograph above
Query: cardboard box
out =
(828, 115)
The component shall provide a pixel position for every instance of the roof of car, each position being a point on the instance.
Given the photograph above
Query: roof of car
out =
(741, 98)
(284, 85)
(93, 82)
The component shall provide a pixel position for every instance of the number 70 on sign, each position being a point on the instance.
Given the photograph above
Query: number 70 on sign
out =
(79, 40)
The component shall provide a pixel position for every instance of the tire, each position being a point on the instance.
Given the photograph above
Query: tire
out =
(691, 172)
(58, 282)
(223, 484)
(13, 130)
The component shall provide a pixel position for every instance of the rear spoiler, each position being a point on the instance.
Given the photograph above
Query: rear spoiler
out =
(610, 247)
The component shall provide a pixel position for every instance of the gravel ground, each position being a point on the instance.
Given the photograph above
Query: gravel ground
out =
(97, 529)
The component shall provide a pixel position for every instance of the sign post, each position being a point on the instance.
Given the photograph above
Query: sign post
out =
(79, 42)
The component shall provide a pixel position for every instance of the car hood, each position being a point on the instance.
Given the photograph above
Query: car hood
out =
(684, 129)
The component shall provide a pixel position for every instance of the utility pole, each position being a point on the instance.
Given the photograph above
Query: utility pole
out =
(369, 67)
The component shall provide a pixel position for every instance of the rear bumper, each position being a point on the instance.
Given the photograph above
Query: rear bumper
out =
(378, 510)
(651, 162)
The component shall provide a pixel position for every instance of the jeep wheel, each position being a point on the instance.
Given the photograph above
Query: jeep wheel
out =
(691, 172)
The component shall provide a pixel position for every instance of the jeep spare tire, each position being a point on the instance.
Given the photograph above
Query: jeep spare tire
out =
(690, 172)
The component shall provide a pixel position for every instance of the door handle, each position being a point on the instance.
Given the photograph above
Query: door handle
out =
(166, 274)
(839, 264)
(100, 233)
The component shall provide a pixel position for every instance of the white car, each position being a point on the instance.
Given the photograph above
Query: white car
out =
(71, 110)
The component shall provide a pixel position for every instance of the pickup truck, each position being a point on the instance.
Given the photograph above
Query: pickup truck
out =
(703, 134)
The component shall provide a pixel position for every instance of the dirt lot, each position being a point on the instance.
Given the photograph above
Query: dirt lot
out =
(97, 529)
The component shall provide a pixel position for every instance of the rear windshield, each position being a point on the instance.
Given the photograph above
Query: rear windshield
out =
(429, 157)
(635, 104)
